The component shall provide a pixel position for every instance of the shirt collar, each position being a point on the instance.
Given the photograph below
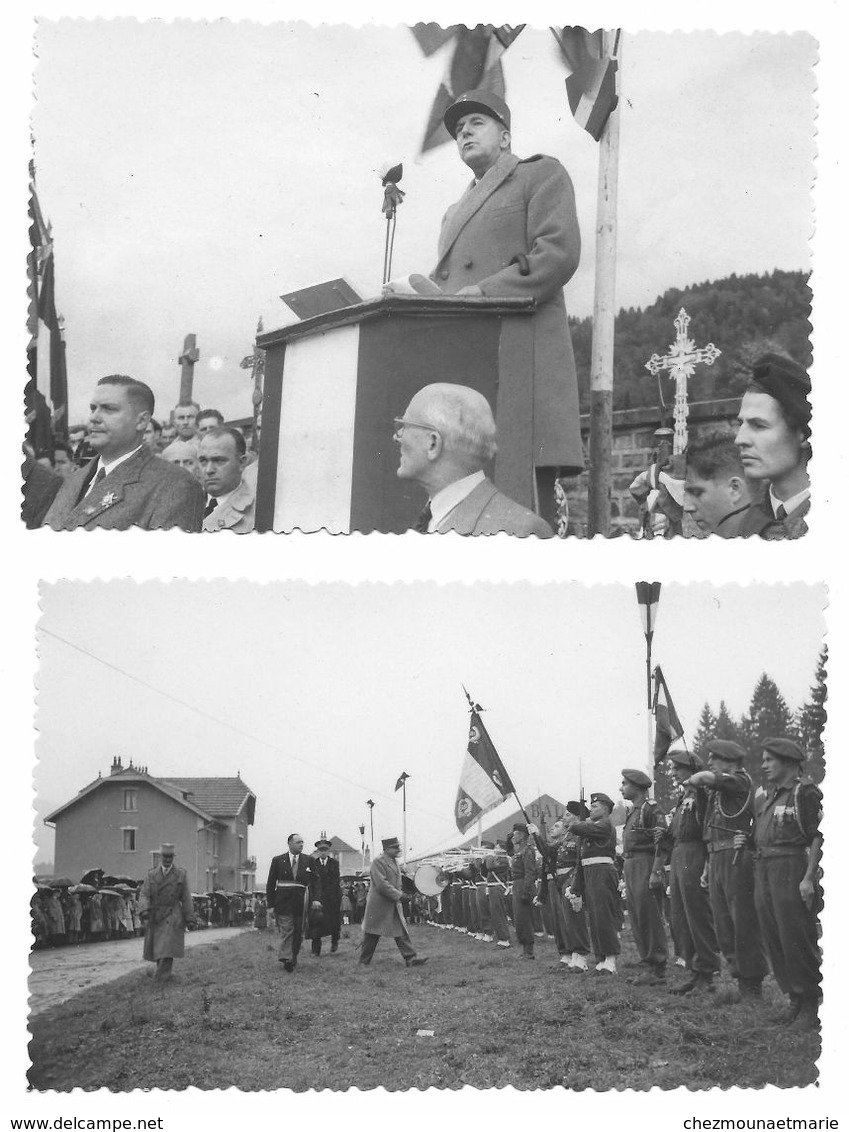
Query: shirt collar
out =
(789, 505)
(220, 500)
(451, 496)
(113, 464)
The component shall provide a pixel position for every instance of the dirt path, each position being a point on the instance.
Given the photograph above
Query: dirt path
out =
(58, 973)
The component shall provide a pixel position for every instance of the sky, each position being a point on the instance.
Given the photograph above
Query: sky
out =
(194, 172)
(320, 696)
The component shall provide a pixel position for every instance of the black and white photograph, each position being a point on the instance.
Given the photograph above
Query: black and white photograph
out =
(542, 280)
(342, 863)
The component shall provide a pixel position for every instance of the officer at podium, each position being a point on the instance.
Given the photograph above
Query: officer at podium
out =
(514, 233)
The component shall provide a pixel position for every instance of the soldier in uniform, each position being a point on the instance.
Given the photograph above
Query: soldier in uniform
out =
(601, 881)
(788, 845)
(574, 925)
(481, 900)
(692, 919)
(496, 870)
(166, 909)
(644, 873)
(523, 868)
(729, 811)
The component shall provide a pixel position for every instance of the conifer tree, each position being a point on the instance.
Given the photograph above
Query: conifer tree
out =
(811, 721)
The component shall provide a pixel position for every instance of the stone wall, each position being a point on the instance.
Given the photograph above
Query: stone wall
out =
(633, 446)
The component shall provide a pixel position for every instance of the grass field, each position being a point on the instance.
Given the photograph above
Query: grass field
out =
(232, 1016)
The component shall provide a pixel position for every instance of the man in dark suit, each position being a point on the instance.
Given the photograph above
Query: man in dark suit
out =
(514, 233)
(126, 485)
(329, 923)
(293, 890)
(445, 437)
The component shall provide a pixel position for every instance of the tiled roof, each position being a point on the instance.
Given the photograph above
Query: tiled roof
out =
(337, 845)
(221, 797)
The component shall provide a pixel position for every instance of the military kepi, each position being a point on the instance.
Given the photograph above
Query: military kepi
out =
(166, 849)
(391, 843)
(726, 749)
(322, 843)
(637, 778)
(784, 749)
(482, 101)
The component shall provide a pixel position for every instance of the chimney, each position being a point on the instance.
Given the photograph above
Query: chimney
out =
(116, 767)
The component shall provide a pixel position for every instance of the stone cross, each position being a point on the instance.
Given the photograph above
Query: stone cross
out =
(681, 361)
(186, 362)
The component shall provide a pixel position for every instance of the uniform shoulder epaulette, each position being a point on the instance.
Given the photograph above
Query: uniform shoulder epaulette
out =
(537, 157)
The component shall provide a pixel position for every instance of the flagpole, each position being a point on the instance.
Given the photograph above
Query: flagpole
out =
(404, 817)
(370, 805)
(604, 312)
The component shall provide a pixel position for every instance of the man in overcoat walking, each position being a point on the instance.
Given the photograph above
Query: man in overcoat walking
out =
(383, 907)
(330, 920)
(165, 909)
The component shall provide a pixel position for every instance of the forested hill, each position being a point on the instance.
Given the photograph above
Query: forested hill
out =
(743, 315)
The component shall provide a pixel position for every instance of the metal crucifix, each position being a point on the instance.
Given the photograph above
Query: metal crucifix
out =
(681, 361)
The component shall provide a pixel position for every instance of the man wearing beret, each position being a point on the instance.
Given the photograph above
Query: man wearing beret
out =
(788, 846)
(514, 233)
(601, 881)
(774, 441)
(575, 924)
(165, 909)
(644, 872)
(523, 869)
(384, 915)
(729, 811)
(692, 919)
(496, 870)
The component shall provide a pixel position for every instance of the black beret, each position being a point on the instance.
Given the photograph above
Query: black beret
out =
(578, 809)
(603, 798)
(788, 383)
(637, 778)
(784, 748)
(726, 749)
(519, 827)
(684, 758)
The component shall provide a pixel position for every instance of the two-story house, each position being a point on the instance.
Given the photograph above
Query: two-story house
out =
(118, 823)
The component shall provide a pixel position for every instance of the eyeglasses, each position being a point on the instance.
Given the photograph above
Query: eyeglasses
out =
(399, 424)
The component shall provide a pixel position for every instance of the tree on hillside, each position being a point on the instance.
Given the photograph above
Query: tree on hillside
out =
(726, 727)
(706, 730)
(810, 722)
(768, 717)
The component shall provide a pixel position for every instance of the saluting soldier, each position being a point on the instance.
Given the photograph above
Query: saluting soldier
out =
(729, 811)
(601, 881)
(692, 919)
(644, 873)
(788, 845)
(523, 867)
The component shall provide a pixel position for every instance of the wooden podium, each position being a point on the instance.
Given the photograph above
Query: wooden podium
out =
(334, 383)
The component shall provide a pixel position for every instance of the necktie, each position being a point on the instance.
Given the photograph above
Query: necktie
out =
(211, 505)
(423, 522)
(294, 866)
(93, 482)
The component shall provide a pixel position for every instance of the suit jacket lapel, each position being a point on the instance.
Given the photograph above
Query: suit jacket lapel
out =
(111, 489)
(465, 515)
(474, 197)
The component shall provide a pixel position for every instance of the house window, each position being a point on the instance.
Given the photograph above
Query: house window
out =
(129, 840)
(214, 844)
(130, 801)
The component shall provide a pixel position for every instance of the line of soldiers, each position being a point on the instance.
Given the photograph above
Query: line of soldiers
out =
(741, 865)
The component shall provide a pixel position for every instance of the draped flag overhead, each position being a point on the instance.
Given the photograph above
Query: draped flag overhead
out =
(668, 729)
(401, 781)
(475, 64)
(48, 384)
(484, 782)
(591, 88)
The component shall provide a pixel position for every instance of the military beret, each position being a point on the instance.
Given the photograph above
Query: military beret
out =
(788, 383)
(637, 778)
(482, 101)
(578, 809)
(684, 758)
(519, 827)
(603, 798)
(785, 749)
(726, 749)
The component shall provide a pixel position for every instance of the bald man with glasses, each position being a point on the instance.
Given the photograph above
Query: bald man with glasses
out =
(445, 438)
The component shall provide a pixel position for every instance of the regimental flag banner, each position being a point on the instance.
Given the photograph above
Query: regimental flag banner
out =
(591, 88)
(483, 780)
(648, 596)
(475, 64)
(46, 353)
(668, 729)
